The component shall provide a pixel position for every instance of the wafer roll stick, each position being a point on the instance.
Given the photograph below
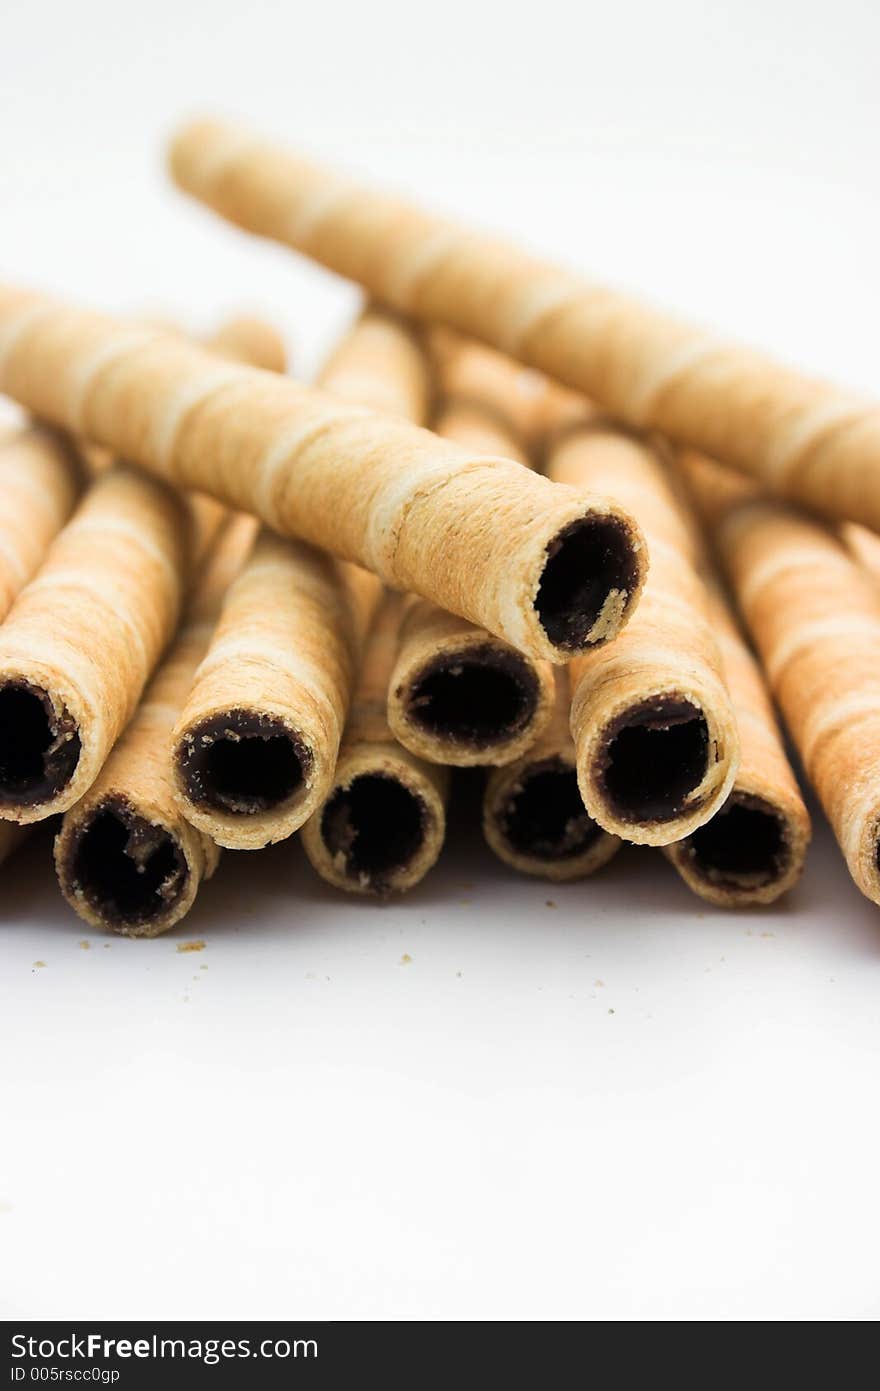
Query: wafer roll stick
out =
(814, 615)
(84, 635)
(254, 750)
(382, 827)
(753, 849)
(533, 815)
(41, 477)
(458, 695)
(545, 567)
(863, 545)
(656, 738)
(126, 859)
(803, 438)
(471, 375)
(381, 364)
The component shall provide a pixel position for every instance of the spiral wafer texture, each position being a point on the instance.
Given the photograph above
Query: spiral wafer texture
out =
(550, 570)
(804, 439)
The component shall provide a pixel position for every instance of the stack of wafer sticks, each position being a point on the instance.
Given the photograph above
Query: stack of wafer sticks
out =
(521, 523)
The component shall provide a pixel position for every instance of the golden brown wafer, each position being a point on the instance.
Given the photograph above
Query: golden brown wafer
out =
(805, 439)
(545, 567)
(458, 695)
(533, 815)
(863, 545)
(382, 826)
(84, 635)
(41, 477)
(126, 859)
(254, 750)
(656, 737)
(474, 382)
(753, 849)
(814, 615)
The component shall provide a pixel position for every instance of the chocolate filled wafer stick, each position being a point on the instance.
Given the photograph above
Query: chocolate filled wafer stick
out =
(863, 545)
(545, 567)
(382, 826)
(41, 476)
(254, 749)
(753, 849)
(126, 859)
(458, 695)
(814, 615)
(655, 733)
(533, 814)
(84, 635)
(805, 439)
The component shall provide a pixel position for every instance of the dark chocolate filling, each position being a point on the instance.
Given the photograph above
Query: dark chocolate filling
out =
(377, 825)
(126, 869)
(585, 562)
(544, 817)
(242, 762)
(479, 697)
(653, 756)
(39, 750)
(744, 843)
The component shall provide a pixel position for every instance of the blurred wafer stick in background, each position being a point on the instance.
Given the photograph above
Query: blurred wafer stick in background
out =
(814, 615)
(804, 439)
(863, 545)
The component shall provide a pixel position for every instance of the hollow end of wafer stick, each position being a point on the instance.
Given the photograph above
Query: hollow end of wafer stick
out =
(592, 574)
(863, 856)
(40, 750)
(381, 828)
(122, 872)
(472, 702)
(534, 820)
(657, 768)
(751, 852)
(246, 777)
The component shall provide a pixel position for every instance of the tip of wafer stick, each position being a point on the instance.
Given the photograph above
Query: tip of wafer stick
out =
(748, 853)
(652, 757)
(241, 762)
(467, 704)
(39, 746)
(534, 819)
(590, 581)
(122, 871)
(377, 833)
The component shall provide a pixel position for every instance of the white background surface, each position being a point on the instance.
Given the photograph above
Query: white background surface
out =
(628, 1105)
